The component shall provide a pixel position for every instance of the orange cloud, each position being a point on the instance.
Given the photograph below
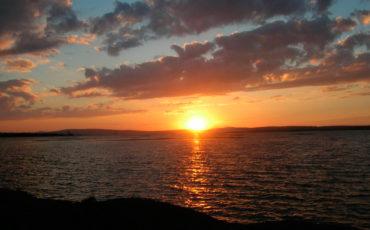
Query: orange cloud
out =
(93, 92)
(81, 40)
(19, 65)
(16, 93)
(366, 19)
(6, 42)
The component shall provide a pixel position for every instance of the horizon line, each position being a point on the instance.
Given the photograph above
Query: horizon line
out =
(184, 129)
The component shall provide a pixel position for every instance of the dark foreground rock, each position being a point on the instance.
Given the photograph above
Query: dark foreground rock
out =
(20, 210)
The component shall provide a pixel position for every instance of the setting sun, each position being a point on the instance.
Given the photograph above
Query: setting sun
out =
(196, 123)
(211, 105)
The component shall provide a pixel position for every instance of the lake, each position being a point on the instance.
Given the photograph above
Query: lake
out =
(240, 177)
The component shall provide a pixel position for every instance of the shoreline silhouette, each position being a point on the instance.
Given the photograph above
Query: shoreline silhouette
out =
(21, 210)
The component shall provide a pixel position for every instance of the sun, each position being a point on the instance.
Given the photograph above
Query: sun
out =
(197, 123)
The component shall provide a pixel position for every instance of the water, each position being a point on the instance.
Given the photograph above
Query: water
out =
(244, 177)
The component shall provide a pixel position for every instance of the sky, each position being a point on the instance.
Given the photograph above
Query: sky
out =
(155, 64)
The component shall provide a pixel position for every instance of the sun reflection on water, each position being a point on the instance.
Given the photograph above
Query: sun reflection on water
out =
(197, 182)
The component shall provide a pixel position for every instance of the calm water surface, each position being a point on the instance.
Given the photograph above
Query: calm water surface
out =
(245, 177)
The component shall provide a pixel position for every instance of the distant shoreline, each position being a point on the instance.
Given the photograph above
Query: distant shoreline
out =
(104, 132)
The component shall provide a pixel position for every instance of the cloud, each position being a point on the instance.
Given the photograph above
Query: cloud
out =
(123, 39)
(278, 97)
(55, 91)
(22, 64)
(91, 92)
(322, 5)
(244, 61)
(294, 43)
(35, 27)
(19, 65)
(362, 94)
(31, 43)
(17, 102)
(164, 76)
(62, 18)
(123, 14)
(6, 42)
(192, 16)
(81, 40)
(92, 110)
(270, 46)
(41, 27)
(194, 49)
(16, 94)
(130, 24)
(355, 40)
(363, 16)
(344, 24)
(336, 88)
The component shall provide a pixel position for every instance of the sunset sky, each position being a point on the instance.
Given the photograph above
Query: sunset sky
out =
(152, 65)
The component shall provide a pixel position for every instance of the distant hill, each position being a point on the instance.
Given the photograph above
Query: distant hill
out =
(106, 132)
(295, 128)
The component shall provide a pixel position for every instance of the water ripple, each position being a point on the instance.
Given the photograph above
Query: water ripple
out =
(250, 177)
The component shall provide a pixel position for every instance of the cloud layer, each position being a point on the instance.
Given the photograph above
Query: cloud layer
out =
(41, 26)
(17, 102)
(129, 25)
(290, 43)
(280, 54)
(36, 26)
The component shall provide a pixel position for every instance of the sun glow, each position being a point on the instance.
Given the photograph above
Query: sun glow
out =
(197, 123)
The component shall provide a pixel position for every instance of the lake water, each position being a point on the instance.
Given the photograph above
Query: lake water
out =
(243, 177)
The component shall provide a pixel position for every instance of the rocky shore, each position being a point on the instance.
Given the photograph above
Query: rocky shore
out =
(20, 210)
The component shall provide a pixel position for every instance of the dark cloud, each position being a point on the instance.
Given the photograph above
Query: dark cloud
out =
(130, 24)
(194, 16)
(61, 18)
(33, 43)
(322, 5)
(22, 23)
(271, 46)
(356, 40)
(344, 24)
(193, 50)
(19, 15)
(125, 38)
(123, 14)
(275, 55)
